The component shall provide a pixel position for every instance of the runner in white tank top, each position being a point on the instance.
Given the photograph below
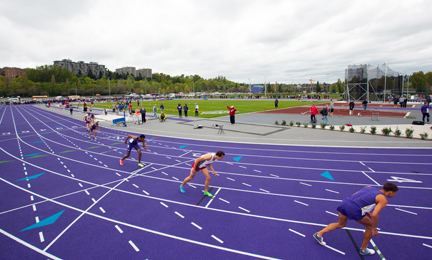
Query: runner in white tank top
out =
(201, 164)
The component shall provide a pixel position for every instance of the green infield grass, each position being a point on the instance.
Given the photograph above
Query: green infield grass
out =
(212, 107)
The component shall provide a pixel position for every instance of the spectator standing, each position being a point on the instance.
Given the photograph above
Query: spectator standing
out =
(130, 108)
(428, 100)
(365, 104)
(276, 103)
(143, 114)
(232, 111)
(196, 109)
(155, 111)
(406, 101)
(395, 101)
(331, 107)
(313, 111)
(71, 109)
(179, 108)
(324, 113)
(162, 108)
(351, 107)
(402, 101)
(185, 109)
(425, 111)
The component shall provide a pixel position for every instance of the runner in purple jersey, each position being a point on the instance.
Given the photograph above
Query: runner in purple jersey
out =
(133, 143)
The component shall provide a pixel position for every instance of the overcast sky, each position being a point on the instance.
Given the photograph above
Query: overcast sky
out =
(283, 41)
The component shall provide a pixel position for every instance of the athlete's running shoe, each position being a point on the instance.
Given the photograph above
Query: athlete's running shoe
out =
(140, 165)
(367, 251)
(182, 190)
(121, 162)
(208, 194)
(319, 239)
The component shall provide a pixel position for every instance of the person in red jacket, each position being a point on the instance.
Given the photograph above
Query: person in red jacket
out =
(313, 111)
(232, 111)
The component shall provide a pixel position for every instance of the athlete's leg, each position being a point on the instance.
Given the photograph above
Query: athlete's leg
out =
(139, 155)
(126, 156)
(368, 232)
(342, 220)
(206, 173)
(189, 178)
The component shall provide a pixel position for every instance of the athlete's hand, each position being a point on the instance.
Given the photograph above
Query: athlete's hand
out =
(146, 147)
(369, 215)
(375, 232)
(125, 142)
(215, 173)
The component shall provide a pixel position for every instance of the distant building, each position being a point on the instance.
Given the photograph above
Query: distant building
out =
(147, 73)
(12, 73)
(81, 67)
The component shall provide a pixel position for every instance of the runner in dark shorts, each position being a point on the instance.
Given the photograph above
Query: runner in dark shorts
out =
(133, 143)
(93, 129)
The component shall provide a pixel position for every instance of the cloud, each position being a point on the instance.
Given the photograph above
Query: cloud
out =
(284, 41)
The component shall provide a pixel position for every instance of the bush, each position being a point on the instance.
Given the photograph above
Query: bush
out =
(276, 123)
(332, 127)
(352, 130)
(305, 125)
(373, 130)
(283, 122)
(323, 125)
(342, 127)
(313, 125)
(409, 132)
(291, 123)
(362, 130)
(424, 136)
(298, 124)
(386, 131)
(397, 132)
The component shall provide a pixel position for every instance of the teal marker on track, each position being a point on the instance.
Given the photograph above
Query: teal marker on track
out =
(183, 146)
(237, 158)
(45, 222)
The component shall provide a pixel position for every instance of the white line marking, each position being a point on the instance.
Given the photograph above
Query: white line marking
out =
(370, 169)
(165, 173)
(427, 245)
(153, 168)
(305, 184)
(224, 200)
(180, 215)
(136, 186)
(146, 192)
(370, 178)
(134, 246)
(165, 205)
(406, 211)
(332, 191)
(298, 233)
(192, 186)
(242, 167)
(31, 198)
(301, 203)
(264, 190)
(274, 175)
(118, 174)
(175, 178)
(80, 184)
(230, 179)
(230, 163)
(362, 163)
(334, 249)
(200, 228)
(211, 200)
(256, 170)
(178, 161)
(331, 213)
(87, 192)
(119, 229)
(168, 157)
(41, 236)
(34, 207)
(246, 184)
(378, 251)
(73, 176)
(28, 185)
(37, 219)
(220, 241)
(101, 209)
(244, 209)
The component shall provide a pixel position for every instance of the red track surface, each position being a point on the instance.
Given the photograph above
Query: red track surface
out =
(341, 109)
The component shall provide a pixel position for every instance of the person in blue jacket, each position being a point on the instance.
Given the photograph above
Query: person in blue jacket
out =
(185, 109)
(179, 108)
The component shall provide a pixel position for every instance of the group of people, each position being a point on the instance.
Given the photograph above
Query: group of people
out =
(91, 124)
(325, 112)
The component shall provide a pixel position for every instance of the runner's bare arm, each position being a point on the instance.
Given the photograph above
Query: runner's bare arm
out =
(127, 138)
(211, 168)
(381, 203)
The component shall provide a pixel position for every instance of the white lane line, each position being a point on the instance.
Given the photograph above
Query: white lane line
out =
(165, 173)
(118, 174)
(274, 175)
(331, 213)
(256, 170)
(246, 184)
(73, 176)
(301, 203)
(427, 245)
(31, 198)
(362, 163)
(153, 168)
(28, 185)
(332, 191)
(264, 190)
(305, 184)
(80, 184)
(208, 204)
(119, 229)
(242, 167)
(224, 200)
(200, 228)
(178, 161)
(134, 246)
(406, 211)
(146, 192)
(87, 192)
(230, 163)
(230, 179)
(370, 169)
(136, 186)
(180, 215)
(94, 201)
(175, 178)
(244, 209)
(41, 236)
(217, 239)
(298, 233)
(37, 219)
(370, 178)
(165, 205)
(192, 186)
(34, 207)
(334, 249)
(168, 157)
(101, 209)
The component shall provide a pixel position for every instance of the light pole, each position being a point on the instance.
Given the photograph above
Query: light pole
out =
(327, 83)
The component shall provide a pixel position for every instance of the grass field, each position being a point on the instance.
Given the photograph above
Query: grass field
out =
(213, 107)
